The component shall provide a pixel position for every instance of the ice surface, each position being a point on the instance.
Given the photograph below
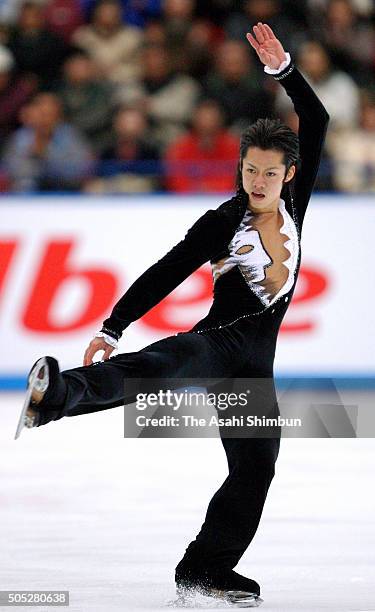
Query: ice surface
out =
(107, 518)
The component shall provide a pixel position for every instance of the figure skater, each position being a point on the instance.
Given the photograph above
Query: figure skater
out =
(253, 244)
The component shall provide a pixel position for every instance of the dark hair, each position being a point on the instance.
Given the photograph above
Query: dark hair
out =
(268, 134)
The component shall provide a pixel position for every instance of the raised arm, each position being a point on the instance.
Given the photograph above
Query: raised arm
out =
(201, 243)
(313, 118)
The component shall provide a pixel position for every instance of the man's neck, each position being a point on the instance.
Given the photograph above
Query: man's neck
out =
(270, 210)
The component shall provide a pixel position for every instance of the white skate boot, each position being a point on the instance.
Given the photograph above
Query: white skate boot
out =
(46, 390)
(37, 384)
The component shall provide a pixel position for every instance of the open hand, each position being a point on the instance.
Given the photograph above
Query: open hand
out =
(269, 49)
(97, 344)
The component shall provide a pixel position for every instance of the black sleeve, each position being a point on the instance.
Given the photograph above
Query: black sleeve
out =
(200, 243)
(313, 122)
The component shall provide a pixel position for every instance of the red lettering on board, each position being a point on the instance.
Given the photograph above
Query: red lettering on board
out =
(311, 284)
(56, 268)
(7, 252)
(161, 316)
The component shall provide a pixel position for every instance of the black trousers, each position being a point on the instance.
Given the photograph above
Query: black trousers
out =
(235, 510)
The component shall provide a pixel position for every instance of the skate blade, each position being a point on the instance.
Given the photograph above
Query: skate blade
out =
(22, 422)
(215, 599)
(243, 599)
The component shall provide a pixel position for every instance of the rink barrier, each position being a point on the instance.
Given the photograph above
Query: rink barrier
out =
(299, 382)
(43, 311)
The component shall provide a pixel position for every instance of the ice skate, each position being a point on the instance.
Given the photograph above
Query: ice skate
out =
(226, 586)
(241, 599)
(39, 379)
(197, 597)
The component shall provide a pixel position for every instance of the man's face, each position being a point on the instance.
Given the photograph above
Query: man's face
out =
(207, 119)
(314, 61)
(79, 70)
(108, 15)
(263, 173)
(43, 113)
(130, 124)
(155, 64)
(233, 61)
(31, 17)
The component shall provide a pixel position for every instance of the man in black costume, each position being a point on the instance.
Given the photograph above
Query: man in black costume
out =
(253, 243)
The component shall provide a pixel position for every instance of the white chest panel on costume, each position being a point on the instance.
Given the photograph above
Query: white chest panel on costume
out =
(268, 270)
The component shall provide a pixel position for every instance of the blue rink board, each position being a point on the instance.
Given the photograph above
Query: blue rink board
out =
(305, 381)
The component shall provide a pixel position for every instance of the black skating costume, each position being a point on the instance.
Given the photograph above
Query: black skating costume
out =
(237, 338)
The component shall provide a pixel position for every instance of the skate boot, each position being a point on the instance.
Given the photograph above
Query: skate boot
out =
(45, 395)
(224, 584)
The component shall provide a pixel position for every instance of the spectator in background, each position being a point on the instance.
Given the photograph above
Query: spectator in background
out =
(15, 91)
(166, 96)
(35, 49)
(177, 18)
(340, 29)
(353, 151)
(201, 44)
(337, 90)
(190, 40)
(154, 34)
(63, 17)
(134, 12)
(46, 154)
(331, 86)
(269, 11)
(235, 85)
(131, 164)
(87, 100)
(113, 46)
(204, 160)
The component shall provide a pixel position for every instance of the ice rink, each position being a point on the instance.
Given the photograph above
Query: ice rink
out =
(108, 518)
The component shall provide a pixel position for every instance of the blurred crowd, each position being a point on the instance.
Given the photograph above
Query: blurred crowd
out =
(114, 96)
